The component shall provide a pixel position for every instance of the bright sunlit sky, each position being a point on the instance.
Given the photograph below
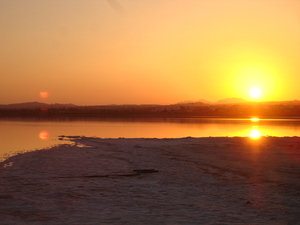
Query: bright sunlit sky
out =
(90, 52)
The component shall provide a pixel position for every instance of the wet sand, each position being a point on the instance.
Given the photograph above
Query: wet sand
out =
(154, 181)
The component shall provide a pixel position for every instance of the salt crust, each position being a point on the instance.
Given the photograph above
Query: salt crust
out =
(199, 181)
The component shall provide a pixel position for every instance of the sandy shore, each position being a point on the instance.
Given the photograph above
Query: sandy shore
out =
(154, 181)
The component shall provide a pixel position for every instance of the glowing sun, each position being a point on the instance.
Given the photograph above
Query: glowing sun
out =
(255, 92)
(44, 94)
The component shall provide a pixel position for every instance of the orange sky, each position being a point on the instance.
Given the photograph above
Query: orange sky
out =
(152, 51)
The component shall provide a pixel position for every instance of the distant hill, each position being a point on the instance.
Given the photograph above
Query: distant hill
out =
(34, 105)
(232, 107)
(204, 101)
(231, 101)
(201, 102)
(294, 102)
(222, 101)
(236, 101)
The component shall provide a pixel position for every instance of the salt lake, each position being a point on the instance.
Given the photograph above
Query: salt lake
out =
(29, 134)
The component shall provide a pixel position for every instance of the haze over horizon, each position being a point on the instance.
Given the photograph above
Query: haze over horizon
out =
(219, 102)
(148, 52)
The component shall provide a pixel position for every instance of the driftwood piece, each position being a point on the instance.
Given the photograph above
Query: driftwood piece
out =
(136, 172)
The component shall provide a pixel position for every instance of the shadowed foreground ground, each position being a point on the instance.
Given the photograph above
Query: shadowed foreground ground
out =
(199, 181)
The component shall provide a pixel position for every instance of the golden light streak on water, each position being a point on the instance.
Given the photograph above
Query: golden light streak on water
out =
(254, 119)
(255, 133)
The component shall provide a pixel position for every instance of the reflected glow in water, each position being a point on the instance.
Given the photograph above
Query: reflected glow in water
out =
(18, 135)
(255, 133)
(254, 119)
(44, 135)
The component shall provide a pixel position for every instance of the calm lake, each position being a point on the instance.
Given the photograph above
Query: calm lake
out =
(19, 134)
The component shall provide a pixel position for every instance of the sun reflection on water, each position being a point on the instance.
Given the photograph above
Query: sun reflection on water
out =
(254, 119)
(44, 135)
(255, 133)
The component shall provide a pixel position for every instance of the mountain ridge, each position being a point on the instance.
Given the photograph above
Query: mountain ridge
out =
(39, 105)
(32, 105)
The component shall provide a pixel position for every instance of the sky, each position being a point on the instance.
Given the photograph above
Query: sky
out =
(97, 52)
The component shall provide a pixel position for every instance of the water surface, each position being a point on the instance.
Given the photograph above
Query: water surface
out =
(19, 134)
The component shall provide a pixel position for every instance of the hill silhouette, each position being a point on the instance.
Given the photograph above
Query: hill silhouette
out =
(223, 108)
(33, 105)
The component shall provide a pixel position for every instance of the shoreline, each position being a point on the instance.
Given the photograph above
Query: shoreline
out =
(228, 180)
(88, 117)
